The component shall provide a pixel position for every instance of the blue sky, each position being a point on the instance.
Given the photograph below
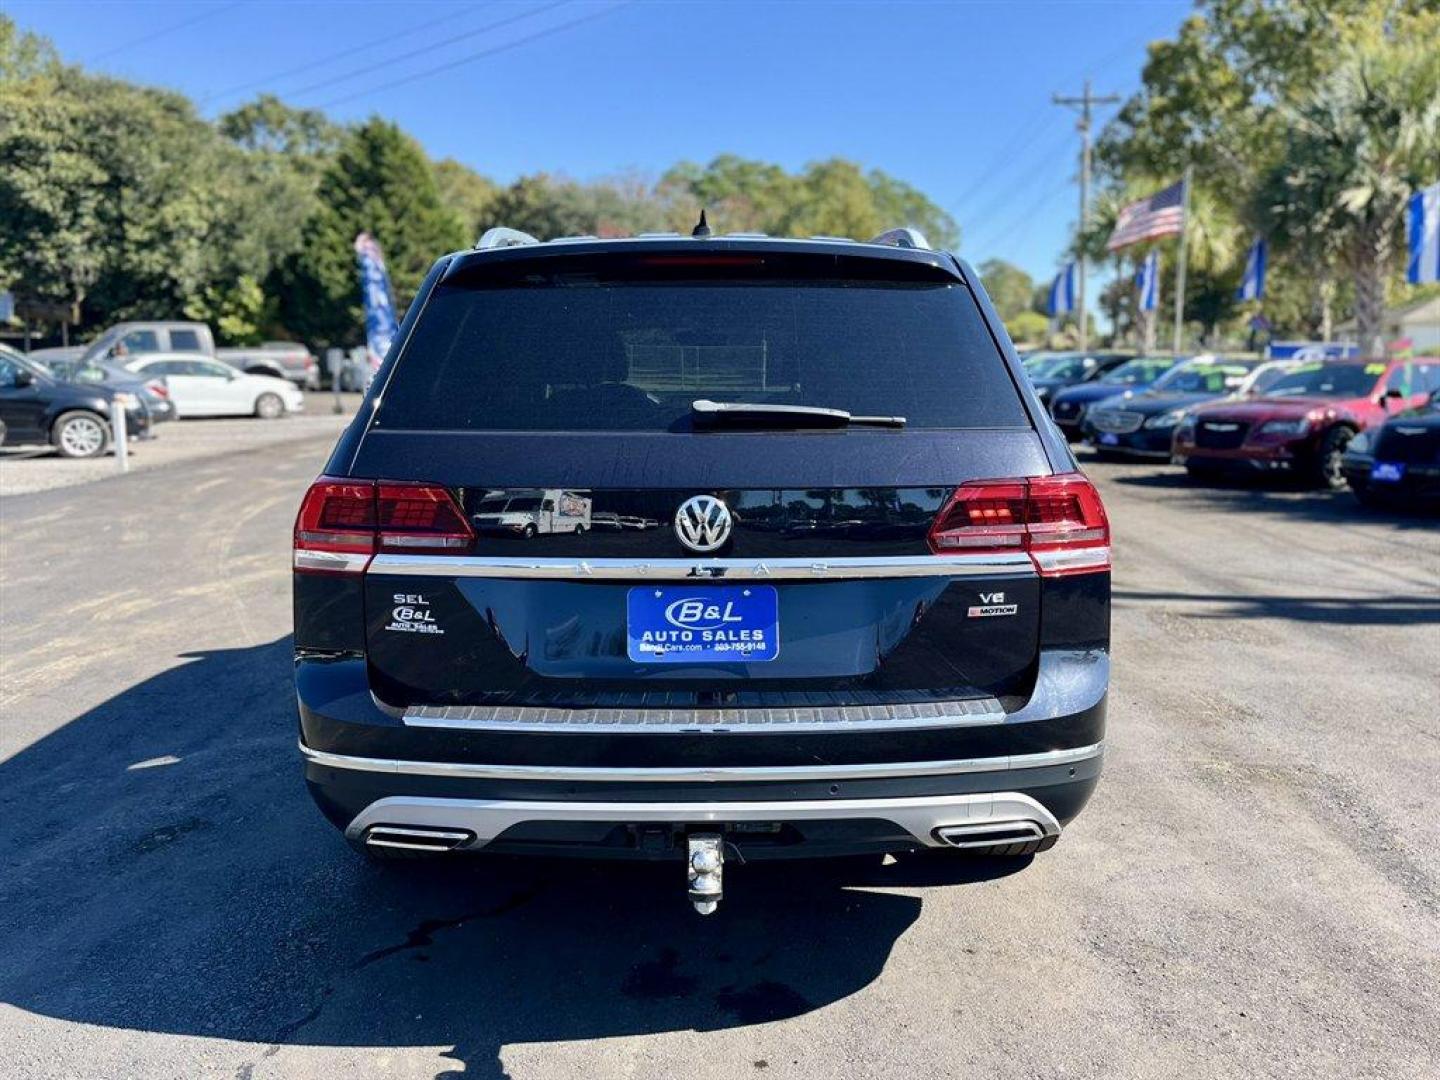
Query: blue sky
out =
(952, 97)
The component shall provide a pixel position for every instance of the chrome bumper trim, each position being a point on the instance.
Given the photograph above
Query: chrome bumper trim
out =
(961, 712)
(920, 816)
(693, 774)
(789, 569)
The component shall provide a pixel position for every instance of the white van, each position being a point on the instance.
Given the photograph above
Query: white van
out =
(533, 512)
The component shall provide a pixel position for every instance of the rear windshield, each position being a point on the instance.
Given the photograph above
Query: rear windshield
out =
(631, 355)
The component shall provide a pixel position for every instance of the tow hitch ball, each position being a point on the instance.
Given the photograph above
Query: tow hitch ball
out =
(705, 861)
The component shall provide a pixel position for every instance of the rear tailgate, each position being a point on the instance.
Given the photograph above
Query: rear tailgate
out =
(538, 609)
(548, 398)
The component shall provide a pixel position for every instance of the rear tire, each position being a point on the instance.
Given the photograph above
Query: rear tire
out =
(529, 532)
(1327, 472)
(80, 434)
(268, 406)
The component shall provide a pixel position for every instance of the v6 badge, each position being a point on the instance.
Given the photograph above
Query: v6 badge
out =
(990, 606)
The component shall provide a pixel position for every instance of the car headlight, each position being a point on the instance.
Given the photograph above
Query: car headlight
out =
(1285, 427)
(1166, 419)
(127, 401)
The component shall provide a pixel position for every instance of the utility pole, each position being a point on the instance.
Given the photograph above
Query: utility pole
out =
(1085, 102)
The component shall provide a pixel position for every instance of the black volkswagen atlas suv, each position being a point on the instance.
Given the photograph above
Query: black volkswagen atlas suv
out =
(703, 548)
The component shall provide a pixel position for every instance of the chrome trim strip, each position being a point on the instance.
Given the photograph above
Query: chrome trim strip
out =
(828, 569)
(920, 816)
(961, 712)
(692, 774)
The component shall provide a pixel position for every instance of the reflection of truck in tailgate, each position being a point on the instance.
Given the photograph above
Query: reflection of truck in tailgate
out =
(531, 513)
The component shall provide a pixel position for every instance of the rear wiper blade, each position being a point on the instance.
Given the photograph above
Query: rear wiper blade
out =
(758, 414)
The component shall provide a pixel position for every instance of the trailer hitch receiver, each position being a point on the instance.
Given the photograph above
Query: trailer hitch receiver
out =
(705, 862)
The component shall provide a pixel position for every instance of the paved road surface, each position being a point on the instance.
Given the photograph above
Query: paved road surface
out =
(26, 469)
(1254, 891)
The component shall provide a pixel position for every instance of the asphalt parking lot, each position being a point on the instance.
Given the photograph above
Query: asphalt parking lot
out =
(1254, 891)
(26, 469)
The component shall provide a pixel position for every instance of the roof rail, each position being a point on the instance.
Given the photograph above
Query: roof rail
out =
(905, 238)
(501, 237)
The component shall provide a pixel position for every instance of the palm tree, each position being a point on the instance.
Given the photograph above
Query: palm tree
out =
(1360, 145)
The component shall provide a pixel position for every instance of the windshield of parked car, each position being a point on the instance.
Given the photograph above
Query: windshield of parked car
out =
(1138, 372)
(557, 351)
(1327, 380)
(1060, 367)
(1200, 379)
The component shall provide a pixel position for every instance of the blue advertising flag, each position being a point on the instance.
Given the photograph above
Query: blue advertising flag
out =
(1424, 265)
(1252, 285)
(1147, 281)
(380, 324)
(1062, 291)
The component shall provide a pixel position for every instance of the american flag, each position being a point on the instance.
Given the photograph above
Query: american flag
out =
(1162, 214)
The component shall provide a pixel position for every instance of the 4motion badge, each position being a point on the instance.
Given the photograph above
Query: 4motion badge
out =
(991, 605)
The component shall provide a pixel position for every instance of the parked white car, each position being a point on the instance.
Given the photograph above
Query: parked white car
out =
(200, 386)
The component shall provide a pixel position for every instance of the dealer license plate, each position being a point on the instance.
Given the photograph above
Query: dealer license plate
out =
(702, 624)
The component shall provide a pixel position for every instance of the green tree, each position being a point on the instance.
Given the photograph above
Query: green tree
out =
(467, 193)
(1366, 139)
(1010, 288)
(380, 182)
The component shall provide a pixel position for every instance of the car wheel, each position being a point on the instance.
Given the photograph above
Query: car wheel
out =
(269, 407)
(529, 531)
(579, 530)
(81, 435)
(1327, 461)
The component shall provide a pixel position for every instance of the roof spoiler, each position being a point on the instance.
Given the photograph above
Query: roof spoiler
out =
(502, 237)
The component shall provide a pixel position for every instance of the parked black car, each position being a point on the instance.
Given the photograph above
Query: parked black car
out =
(873, 613)
(1143, 425)
(1050, 374)
(154, 391)
(1068, 405)
(75, 418)
(1398, 463)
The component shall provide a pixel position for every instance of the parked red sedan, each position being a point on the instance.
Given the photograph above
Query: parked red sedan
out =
(1303, 421)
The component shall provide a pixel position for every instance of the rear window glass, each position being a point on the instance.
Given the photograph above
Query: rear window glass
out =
(631, 355)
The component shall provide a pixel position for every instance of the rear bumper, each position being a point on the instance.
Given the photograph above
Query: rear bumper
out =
(823, 792)
(766, 817)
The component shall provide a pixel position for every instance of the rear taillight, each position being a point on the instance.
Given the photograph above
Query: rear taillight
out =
(1058, 520)
(342, 523)
(419, 516)
(158, 388)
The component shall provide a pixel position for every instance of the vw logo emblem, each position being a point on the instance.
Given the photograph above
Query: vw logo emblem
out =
(703, 523)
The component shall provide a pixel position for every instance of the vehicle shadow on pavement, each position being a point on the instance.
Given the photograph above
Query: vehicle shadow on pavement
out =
(1346, 610)
(165, 871)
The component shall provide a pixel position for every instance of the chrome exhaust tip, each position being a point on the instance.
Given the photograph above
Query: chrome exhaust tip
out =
(990, 834)
(417, 839)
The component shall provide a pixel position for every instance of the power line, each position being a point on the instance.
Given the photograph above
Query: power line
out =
(1086, 102)
(310, 65)
(369, 69)
(1004, 195)
(482, 54)
(147, 38)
